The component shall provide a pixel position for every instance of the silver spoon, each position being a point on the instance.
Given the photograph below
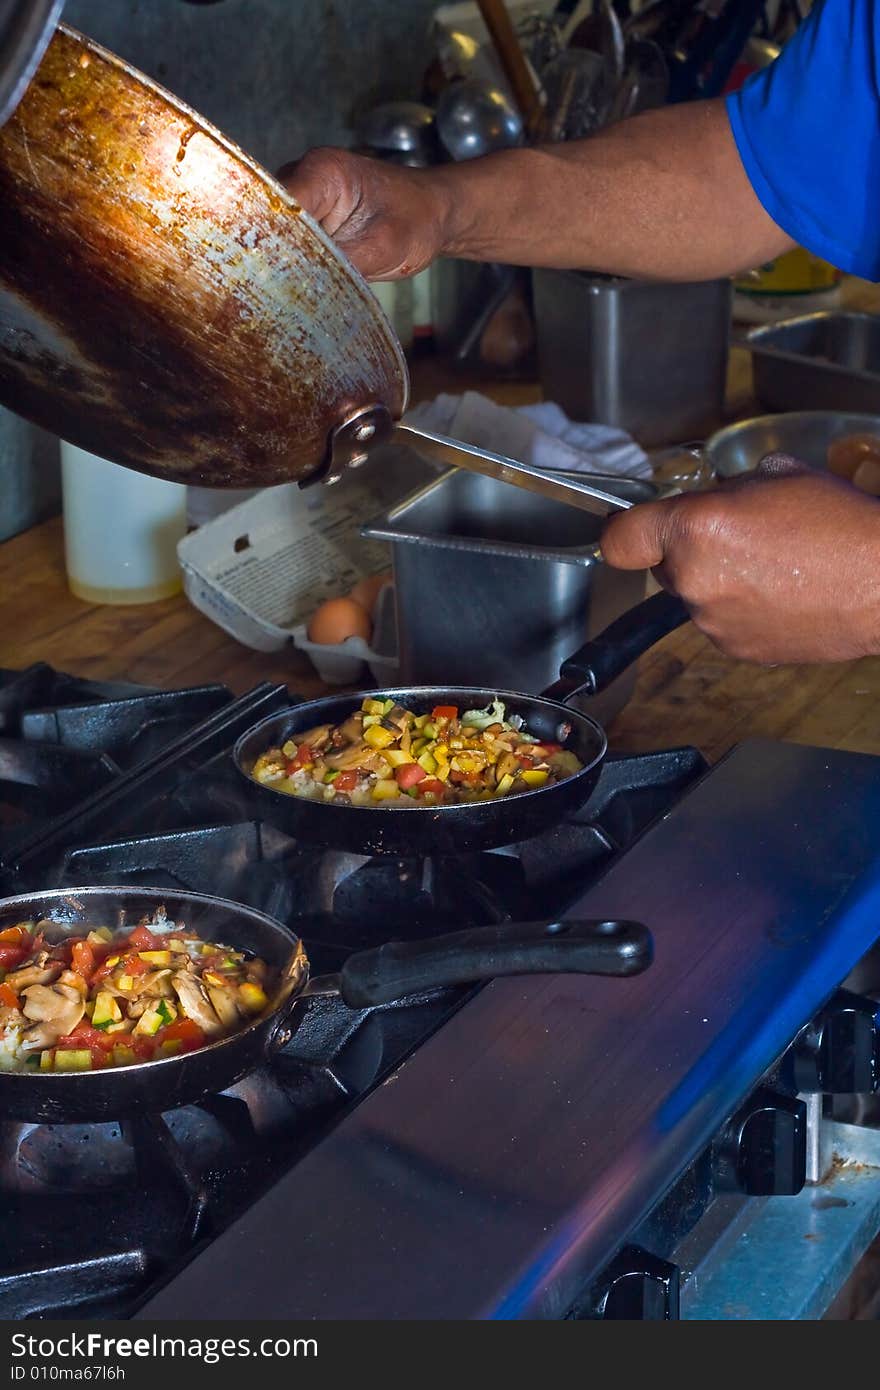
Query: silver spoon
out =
(474, 119)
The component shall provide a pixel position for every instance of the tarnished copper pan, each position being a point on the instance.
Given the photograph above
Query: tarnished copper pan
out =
(163, 302)
(166, 305)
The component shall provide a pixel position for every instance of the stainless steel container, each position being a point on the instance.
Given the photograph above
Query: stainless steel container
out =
(650, 358)
(806, 434)
(823, 361)
(495, 587)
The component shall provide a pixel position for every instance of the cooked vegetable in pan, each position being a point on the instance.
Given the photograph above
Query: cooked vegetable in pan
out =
(385, 755)
(110, 999)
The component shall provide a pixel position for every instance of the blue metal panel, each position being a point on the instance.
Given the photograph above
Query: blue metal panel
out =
(505, 1162)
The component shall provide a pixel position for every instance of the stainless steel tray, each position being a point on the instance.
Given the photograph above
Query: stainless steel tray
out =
(823, 361)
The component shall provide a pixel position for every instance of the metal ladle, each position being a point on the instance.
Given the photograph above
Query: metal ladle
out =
(474, 118)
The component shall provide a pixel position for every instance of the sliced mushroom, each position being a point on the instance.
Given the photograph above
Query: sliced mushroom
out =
(348, 732)
(224, 1005)
(34, 975)
(506, 764)
(316, 738)
(195, 1003)
(9, 1017)
(47, 1004)
(40, 1035)
(361, 755)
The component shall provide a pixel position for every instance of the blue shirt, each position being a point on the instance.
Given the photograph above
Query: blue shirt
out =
(808, 132)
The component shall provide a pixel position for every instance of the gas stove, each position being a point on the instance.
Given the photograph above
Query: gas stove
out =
(598, 1142)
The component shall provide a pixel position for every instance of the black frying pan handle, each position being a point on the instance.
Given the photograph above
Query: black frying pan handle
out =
(600, 661)
(522, 948)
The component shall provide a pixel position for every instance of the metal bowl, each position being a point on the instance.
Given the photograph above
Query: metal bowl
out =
(805, 434)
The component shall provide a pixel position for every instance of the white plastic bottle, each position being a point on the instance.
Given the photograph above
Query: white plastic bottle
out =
(121, 530)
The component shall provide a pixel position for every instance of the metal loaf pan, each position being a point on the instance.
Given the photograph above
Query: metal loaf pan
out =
(822, 361)
(495, 586)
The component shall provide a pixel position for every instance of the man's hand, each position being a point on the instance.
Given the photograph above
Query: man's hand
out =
(782, 566)
(388, 220)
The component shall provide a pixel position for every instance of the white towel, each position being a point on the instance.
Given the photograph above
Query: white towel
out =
(541, 435)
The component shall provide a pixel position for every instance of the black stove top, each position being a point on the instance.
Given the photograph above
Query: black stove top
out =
(109, 784)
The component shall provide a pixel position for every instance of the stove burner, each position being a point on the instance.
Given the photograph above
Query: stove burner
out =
(109, 784)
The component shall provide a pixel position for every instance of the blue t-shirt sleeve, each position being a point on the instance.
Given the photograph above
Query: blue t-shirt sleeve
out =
(808, 132)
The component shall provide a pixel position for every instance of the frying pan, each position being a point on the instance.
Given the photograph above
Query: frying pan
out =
(370, 977)
(476, 825)
(165, 304)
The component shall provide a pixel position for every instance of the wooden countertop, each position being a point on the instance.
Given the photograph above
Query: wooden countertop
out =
(687, 693)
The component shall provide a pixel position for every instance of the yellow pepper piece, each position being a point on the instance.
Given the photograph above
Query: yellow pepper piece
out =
(47, 1061)
(252, 997)
(156, 957)
(443, 771)
(441, 752)
(373, 707)
(504, 785)
(125, 982)
(535, 776)
(377, 737)
(385, 790)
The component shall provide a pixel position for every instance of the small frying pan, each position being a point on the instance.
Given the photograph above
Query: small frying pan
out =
(165, 304)
(371, 977)
(477, 825)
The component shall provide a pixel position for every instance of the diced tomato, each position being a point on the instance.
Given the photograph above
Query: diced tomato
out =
(184, 1031)
(431, 784)
(12, 956)
(15, 936)
(8, 997)
(142, 939)
(444, 712)
(84, 1035)
(135, 966)
(144, 1048)
(304, 755)
(409, 774)
(346, 781)
(83, 959)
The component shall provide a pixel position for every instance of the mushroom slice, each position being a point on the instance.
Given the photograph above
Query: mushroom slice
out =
(46, 1004)
(224, 1005)
(196, 1004)
(34, 975)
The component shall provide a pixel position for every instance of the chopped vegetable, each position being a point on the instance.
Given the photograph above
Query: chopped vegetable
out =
(73, 1059)
(8, 997)
(386, 755)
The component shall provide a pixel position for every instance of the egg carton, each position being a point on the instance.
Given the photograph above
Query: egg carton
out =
(261, 569)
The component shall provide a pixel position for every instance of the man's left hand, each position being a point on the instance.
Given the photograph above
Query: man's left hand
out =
(779, 566)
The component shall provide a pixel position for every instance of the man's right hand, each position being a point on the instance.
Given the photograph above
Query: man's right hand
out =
(388, 220)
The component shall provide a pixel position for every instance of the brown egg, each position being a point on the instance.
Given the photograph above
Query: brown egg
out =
(338, 619)
(846, 453)
(366, 591)
(867, 475)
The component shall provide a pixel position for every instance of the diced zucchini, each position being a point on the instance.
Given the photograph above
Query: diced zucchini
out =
(47, 1059)
(106, 1010)
(397, 758)
(149, 1023)
(73, 1059)
(289, 748)
(166, 1011)
(116, 1027)
(386, 789)
(429, 729)
(123, 1055)
(373, 707)
(428, 762)
(387, 706)
(504, 785)
(169, 1047)
(112, 960)
(330, 777)
(157, 958)
(100, 936)
(252, 997)
(421, 720)
(443, 771)
(125, 983)
(176, 945)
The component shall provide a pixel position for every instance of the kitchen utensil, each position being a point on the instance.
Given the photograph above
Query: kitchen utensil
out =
(579, 88)
(649, 357)
(645, 82)
(401, 127)
(461, 545)
(805, 434)
(831, 359)
(368, 977)
(513, 61)
(26, 26)
(600, 31)
(165, 304)
(474, 118)
(414, 829)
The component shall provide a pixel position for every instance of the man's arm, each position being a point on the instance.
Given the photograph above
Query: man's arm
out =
(662, 195)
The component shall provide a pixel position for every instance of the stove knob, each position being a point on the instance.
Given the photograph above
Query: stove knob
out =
(639, 1287)
(763, 1150)
(837, 1053)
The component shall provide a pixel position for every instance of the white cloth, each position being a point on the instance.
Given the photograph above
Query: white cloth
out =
(541, 435)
